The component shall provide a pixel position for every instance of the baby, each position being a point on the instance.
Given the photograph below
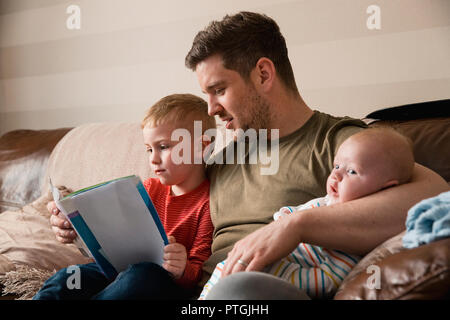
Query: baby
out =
(367, 162)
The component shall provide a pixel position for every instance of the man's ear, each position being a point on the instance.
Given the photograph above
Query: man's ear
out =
(264, 73)
(390, 183)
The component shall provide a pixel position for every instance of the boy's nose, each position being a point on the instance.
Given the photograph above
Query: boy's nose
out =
(154, 158)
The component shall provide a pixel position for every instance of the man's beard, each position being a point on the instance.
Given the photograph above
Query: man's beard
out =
(259, 113)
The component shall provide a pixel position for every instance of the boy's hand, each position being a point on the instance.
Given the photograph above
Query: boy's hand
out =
(61, 227)
(175, 258)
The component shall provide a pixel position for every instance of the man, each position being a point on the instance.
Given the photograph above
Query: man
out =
(243, 67)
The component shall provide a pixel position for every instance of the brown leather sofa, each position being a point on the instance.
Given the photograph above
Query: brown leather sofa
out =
(420, 273)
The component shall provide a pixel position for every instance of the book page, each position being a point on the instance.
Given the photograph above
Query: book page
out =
(121, 224)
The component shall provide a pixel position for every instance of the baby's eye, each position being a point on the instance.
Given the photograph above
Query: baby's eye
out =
(351, 171)
(336, 166)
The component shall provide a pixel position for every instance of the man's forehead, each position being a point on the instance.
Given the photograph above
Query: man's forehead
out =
(212, 73)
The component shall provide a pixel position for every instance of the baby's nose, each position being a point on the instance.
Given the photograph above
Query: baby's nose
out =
(337, 175)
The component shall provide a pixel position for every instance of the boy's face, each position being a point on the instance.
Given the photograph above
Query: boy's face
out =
(230, 97)
(161, 153)
(358, 171)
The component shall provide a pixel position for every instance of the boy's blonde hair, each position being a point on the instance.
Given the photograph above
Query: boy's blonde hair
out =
(182, 109)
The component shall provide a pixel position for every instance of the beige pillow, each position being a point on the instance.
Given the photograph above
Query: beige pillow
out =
(26, 239)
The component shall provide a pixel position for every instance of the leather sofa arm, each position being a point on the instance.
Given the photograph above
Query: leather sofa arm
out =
(420, 273)
(23, 160)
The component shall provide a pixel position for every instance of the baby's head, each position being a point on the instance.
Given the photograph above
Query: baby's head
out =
(369, 161)
(174, 161)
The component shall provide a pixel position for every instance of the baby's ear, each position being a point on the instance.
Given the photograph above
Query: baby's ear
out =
(390, 183)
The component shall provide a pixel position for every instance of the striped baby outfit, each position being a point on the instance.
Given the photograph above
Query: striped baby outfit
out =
(316, 270)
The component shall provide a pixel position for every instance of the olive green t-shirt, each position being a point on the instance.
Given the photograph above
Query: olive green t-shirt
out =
(243, 200)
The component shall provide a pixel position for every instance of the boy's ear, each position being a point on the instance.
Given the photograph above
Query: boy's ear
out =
(390, 183)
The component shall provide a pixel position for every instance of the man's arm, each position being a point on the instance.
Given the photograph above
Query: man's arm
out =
(356, 226)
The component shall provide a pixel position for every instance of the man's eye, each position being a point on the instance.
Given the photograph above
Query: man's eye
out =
(163, 147)
(149, 150)
(220, 91)
(351, 171)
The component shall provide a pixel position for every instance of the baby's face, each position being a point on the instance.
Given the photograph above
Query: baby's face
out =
(358, 171)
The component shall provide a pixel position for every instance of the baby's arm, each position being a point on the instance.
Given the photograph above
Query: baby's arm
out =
(284, 211)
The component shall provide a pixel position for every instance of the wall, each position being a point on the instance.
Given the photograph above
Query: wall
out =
(128, 54)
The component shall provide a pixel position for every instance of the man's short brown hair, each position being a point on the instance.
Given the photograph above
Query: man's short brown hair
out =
(241, 40)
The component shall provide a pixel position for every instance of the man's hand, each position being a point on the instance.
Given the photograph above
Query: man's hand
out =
(61, 227)
(263, 247)
(175, 258)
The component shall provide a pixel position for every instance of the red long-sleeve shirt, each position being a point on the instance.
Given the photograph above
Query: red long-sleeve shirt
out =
(187, 218)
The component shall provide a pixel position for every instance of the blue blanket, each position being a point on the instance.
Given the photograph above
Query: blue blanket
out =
(428, 221)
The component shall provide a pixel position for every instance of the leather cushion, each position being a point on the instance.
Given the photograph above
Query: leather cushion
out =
(431, 141)
(419, 273)
(23, 159)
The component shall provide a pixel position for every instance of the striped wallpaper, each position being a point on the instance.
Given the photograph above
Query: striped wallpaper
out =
(129, 53)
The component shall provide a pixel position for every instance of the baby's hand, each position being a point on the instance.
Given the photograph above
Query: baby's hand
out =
(281, 213)
(175, 258)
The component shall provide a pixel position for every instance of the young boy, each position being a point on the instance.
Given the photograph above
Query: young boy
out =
(180, 194)
(369, 161)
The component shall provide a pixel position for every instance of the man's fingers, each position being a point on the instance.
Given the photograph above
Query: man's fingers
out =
(231, 265)
(255, 265)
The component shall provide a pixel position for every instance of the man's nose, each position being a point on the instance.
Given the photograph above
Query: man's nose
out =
(214, 108)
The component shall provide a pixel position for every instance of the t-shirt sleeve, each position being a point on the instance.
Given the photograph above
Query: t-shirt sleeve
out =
(200, 251)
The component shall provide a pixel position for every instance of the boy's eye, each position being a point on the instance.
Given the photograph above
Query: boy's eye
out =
(163, 147)
(149, 150)
(351, 171)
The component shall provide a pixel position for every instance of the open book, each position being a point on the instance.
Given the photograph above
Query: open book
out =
(116, 223)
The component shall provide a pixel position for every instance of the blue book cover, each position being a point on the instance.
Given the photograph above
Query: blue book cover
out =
(116, 222)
